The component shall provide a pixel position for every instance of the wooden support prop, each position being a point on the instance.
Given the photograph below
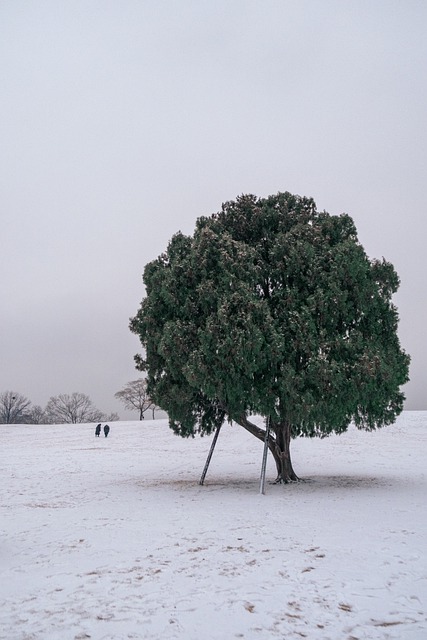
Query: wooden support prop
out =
(264, 458)
(205, 470)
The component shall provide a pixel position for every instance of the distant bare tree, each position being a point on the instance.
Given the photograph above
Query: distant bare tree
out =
(72, 409)
(135, 397)
(112, 417)
(14, 408)
(37, 415)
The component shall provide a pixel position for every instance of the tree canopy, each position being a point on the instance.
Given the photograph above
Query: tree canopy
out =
(272, 308)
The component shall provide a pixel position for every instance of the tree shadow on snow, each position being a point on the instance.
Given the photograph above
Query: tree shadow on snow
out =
(339, 481)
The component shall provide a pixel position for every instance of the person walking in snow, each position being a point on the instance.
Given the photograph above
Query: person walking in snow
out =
(98, 430)
(106, 430)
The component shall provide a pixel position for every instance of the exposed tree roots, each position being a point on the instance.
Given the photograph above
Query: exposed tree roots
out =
(280, 480)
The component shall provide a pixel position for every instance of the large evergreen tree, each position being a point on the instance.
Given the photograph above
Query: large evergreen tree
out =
(272, 308)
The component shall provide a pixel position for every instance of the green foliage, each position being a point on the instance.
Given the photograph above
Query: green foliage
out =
(272, 308)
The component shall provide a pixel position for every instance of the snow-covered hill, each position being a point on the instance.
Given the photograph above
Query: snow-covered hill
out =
(113, 538)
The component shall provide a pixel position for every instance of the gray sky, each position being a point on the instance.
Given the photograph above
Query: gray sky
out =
(122, 122)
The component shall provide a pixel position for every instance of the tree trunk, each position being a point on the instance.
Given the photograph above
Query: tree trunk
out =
(279, 445)
(282, 453)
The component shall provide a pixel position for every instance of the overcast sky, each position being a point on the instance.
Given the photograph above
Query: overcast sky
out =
(123, 122)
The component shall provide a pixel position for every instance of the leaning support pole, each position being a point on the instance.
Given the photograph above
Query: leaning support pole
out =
(264, 458)
(205, 470)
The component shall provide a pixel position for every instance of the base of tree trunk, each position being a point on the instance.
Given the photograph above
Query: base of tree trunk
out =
(287, 479)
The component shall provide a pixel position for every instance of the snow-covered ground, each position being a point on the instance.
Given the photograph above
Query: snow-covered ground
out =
(115, 539)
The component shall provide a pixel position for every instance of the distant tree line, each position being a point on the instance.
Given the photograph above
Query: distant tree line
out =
(62, 409)
(76, 408)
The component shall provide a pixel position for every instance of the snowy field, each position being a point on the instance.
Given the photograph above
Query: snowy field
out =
(114, 538)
